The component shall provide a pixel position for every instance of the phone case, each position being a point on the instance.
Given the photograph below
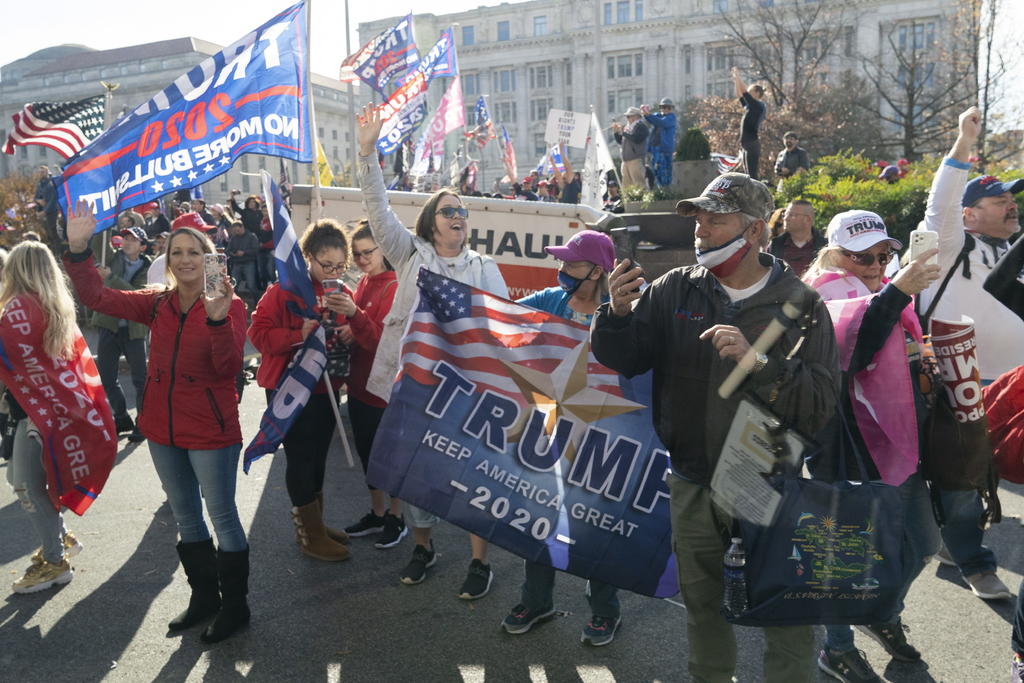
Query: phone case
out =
(921, 241)
(215, 267)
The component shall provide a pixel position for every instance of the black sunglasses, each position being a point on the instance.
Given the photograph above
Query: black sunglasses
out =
(868, 259)
(453, 211)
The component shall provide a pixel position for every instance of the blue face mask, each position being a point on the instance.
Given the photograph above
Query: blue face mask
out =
(570, 284)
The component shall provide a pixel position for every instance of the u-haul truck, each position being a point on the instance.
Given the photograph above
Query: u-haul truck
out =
(513, 232)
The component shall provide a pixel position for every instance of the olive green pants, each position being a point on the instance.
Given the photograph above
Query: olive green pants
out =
(700, 535)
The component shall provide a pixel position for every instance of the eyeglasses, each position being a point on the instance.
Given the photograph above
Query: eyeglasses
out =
(331, 267)
(453, 211)
(361, 254)
(868, 259)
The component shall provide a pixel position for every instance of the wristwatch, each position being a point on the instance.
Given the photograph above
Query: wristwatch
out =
(760, 360)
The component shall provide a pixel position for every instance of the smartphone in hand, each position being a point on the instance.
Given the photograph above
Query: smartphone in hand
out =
(332, 286)
(921, 241)
(215, 269)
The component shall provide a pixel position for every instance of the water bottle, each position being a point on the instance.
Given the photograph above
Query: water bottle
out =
(734, 598)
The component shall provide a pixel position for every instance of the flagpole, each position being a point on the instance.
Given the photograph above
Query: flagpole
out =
(317, 202)
(352, 153)
(108, 118)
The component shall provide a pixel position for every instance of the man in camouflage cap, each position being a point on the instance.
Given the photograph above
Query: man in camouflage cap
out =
(692, 327)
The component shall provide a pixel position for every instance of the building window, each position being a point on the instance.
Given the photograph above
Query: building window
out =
(622, 11)
(540, 147)
(625, 66)
(505, 112)
(849, 37)
(687, 59)
(471, 84)
(224, 183)
(468, 37)
(719, 6)
(568, 104)
(503, 30)
(541, 77)
(540, 25)
(334, 133)
(503, 80)
(539, 109)
(688, 93)
(621, 100)
(320, 132)
(568, 73)
(638, 10)
(607, 13)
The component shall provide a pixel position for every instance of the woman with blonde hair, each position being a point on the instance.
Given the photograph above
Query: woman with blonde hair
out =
(38, 321)
(188, 411)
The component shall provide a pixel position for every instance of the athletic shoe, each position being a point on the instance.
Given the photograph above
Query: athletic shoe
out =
(600, 630)
(478, 581)
(416, 570)
(1017, 669)
(893, 638)
(369, 524)
(123, 423)
(987, 586)
(944, 558)
(521, 619)
(72, 547)
(39, 577)
(136, 436)
(394, 531)
(848, 667)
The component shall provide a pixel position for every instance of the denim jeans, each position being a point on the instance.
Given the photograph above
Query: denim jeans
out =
(962, 535)
(921, 540)
(27, 477)
(109, 349)
(265, 267)
(245, 276)
(187, 477)
(540, 585)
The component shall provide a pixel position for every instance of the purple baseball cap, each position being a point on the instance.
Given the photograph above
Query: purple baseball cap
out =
(989, 186)
(587, 245)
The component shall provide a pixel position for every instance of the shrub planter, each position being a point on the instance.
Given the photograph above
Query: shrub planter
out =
(689, 178)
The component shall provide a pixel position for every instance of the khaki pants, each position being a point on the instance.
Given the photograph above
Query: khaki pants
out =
(700, 533)
(633, 174)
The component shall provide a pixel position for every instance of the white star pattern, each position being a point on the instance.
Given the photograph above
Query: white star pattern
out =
(192, 175)
(157, 186)
(43, 412)
(224, 161)
(175, 181)
(208, 168)
(24, 390)
(19, 378)
(33, 401)
(49, 423)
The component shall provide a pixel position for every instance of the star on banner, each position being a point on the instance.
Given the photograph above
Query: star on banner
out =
(192, 175)
(208, 168)
(157, 186)
(224, 161)
(176, 181)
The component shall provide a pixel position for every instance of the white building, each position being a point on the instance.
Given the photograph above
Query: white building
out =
(73, 72)
(529, 57)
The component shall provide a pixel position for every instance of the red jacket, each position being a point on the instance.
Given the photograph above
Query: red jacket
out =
(276, 333)
(189, 400)
(373, 299)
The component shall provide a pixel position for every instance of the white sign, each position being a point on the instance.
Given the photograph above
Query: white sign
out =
(568, 127)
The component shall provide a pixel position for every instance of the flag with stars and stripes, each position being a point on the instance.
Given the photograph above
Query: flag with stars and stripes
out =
(512, 430)
(64, 127)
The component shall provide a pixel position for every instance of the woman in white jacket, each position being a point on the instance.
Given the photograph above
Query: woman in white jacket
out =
(439, 244)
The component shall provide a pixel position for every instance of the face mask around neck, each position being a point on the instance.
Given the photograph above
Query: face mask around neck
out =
(723, 260)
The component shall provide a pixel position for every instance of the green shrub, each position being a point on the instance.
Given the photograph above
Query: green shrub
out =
(693, 146)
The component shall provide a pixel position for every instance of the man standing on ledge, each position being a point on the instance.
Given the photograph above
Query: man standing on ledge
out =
(753, 116)
(692, 326)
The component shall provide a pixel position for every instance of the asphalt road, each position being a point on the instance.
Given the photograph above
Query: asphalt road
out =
(354, 621)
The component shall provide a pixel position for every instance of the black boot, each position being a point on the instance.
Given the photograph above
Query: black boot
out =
(233, 570)
(200, 564)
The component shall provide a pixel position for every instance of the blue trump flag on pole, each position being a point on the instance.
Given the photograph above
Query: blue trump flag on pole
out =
(510, 429)
(308, 363)
(249, 97)
(383, 57)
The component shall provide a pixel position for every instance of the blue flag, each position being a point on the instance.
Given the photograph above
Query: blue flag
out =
(292, 273)
(511, 430)
(383, 57)
(249, 97)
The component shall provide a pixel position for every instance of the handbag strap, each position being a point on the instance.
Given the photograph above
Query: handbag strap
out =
(926, 317)
(846, 437)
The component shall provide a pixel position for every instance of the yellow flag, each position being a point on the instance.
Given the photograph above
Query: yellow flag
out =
(323, 168)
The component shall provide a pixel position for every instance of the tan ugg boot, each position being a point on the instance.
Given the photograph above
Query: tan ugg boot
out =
(335, 534)
(315, 541)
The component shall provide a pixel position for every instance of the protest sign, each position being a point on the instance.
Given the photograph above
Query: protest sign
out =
(567, 128)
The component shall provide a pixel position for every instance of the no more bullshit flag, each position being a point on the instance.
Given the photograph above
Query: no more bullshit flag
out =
(249, 97)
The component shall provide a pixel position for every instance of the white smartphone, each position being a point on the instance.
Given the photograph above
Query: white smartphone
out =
(332, 286)
(921, 241)
(215, 268)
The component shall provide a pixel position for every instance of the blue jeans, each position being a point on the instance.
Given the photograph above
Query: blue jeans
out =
(26, 475)
(540, 585)
(962, 535)
(265, 267)
(245, 276)
(921, 540)
(187, 477)
(109, 349)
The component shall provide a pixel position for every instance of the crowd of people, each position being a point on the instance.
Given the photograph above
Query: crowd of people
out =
(692, 327)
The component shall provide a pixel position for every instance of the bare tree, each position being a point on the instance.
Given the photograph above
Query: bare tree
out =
(992, 64)
(788, 44)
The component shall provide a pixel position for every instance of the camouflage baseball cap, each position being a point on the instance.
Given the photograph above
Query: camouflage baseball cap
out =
(731, 193)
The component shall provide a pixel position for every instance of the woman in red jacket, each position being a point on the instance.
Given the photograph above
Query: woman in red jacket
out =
(277, 333)
(188, 412)
(366, 311)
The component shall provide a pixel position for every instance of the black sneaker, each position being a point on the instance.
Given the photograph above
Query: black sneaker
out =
(416, 570)
(124, 423)
(369, 524)
(136, 436)
(394, 531)
(600, 630)
(894, 640)
(478, 581)
(521, 619)
(849, 667)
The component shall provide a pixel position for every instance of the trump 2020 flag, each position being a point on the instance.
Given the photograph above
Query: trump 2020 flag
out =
(484, 130)
(249, 97)
(383, 57)
(510, 429)
(292, 273)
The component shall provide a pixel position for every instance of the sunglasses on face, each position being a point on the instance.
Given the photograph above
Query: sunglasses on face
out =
(453, 211)
(868, 259)
(361, 254)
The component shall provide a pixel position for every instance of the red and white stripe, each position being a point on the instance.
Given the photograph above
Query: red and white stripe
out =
(64, 138)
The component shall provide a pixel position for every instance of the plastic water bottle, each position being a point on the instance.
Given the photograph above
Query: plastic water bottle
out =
(734, 599)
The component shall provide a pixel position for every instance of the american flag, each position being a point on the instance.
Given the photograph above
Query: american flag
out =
(484, 130)
(64, 127)
(726, 163)
(508, 157)
(481, 335)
